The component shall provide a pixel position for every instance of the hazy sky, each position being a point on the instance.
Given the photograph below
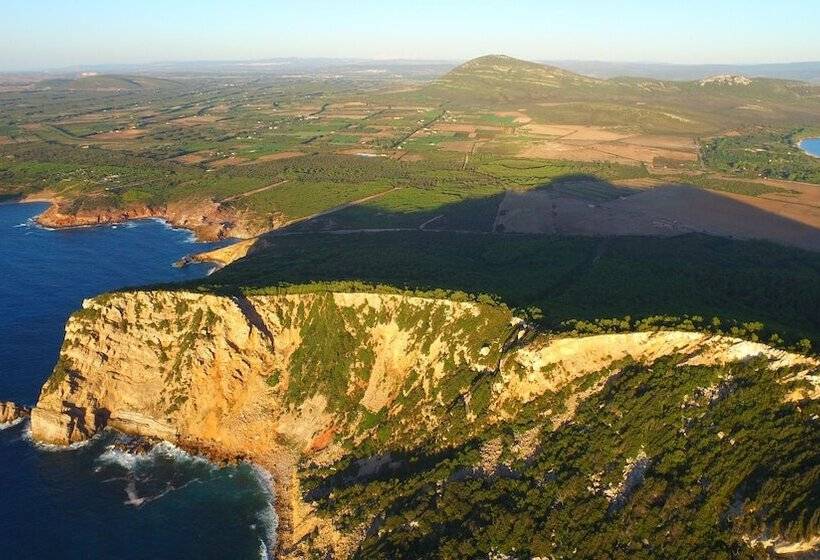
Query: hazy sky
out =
(36, 34)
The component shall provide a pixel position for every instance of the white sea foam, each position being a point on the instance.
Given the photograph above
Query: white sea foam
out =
(50, 447)
(165, 449)
(264, 553)
(137, 466)
(268, 519)
(6, 425)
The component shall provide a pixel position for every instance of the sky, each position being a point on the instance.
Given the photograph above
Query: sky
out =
(45, 34)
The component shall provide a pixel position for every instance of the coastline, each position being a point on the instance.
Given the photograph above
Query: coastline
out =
(278, 473)
(206, 220)
(241, 238)
(805, 150)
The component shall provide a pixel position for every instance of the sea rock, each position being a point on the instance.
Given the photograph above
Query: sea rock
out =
(11, 412)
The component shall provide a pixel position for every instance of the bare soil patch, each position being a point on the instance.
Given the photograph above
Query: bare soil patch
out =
(519, 116)
(662, 211)
(195, 157)
(454, 127)
(226, 162)
(575, 132)
(591, 143)
(277, 156)
(645, 154)
(195, 120)
(126, 134)
(568, 151)
(657, 141)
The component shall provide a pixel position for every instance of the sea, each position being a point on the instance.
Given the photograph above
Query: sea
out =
(92, 501)
(811, 146)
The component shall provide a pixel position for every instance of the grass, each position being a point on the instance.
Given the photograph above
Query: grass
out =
(300, 199)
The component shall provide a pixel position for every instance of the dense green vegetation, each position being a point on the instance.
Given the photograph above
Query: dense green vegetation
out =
(662, 461)
(566, 277)
(763, 153)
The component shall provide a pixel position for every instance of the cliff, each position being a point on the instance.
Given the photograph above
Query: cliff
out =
(302, 383)
(10, 412)
(207, 219)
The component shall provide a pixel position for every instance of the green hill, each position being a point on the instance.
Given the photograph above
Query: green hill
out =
(499, 77)
(551, 94)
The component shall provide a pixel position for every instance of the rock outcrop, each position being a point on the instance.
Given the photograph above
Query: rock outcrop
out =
(207, 219)
(10, 412)
(293, 378)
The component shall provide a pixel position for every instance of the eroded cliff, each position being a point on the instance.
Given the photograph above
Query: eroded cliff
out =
(301, 382)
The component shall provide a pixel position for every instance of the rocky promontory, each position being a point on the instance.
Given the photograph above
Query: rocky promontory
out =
(301, 381)
(10, 412)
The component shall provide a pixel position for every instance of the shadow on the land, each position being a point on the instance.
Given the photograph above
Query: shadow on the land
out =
(566, 276)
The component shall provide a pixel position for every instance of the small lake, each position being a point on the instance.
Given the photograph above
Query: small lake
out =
(94, 502)
(811, 146)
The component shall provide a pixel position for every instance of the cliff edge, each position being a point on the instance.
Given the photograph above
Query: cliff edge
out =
(296, 382)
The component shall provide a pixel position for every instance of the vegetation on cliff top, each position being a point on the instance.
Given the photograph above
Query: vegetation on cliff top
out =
(664, 460)
(567, 278)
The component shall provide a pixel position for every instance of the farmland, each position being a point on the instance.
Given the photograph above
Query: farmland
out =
(489, 147)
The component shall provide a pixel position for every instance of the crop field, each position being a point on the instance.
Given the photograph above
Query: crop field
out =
(527, 149)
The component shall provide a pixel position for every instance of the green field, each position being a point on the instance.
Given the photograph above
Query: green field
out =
(764, 153)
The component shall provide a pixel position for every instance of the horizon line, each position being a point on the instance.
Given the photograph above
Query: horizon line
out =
(75, 67)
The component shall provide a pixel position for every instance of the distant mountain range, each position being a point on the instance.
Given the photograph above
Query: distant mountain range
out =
(428, 69)
(804, 71)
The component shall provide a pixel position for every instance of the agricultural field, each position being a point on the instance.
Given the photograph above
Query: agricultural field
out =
(496, 145)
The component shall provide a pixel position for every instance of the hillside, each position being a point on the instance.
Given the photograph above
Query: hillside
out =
(503, 78)
(558, 95)
(398, 426)
(108, 82)
(802, 71)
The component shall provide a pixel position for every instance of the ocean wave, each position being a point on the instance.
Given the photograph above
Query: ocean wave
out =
(147, 476)
(7, 425)
(264, 552)
(52, 448)
(134, 499)
(191, 236)
(268, 520)
(163, 449)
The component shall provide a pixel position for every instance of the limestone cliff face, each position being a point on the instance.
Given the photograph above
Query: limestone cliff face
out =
(243, 374)
(10, 412)
(293, 379)
(207, 219)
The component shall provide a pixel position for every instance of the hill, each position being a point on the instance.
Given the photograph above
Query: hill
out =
(554, 95)
(107, 82)
(803, 71)
(503, 78)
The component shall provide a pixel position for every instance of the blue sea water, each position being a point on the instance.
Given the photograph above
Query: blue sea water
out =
(94, 502)
(811, 146)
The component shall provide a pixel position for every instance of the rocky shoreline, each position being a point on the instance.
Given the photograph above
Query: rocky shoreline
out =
(279, 471)
(11, 412)
(208, 220)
